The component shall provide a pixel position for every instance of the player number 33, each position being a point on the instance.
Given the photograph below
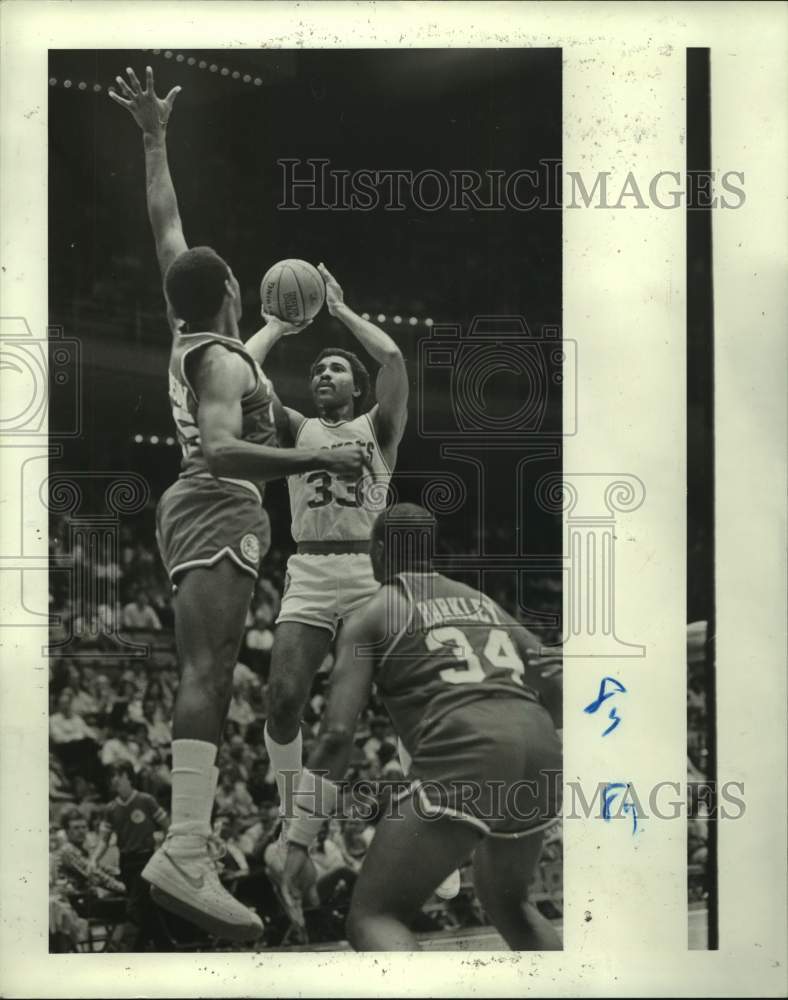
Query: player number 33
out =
(326, 492)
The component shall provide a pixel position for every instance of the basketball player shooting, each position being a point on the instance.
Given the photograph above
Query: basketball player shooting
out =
(330, 576)
(451, 668)
(211, 526)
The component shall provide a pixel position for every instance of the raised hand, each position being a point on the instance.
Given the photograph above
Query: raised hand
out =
(150, 112)
(281, 328)
(335, 297)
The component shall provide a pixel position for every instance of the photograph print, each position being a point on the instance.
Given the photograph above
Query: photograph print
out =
(306, 541)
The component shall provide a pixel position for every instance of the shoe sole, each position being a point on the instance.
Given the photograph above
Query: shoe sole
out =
(213, 925)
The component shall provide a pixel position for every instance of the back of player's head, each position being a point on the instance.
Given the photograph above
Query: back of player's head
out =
(403, 540)
(361, 379)
(195, 284)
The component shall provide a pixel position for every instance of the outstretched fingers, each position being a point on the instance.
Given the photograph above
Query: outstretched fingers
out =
(118, 99)
(125, 89)
(135, 83)
(169, 100)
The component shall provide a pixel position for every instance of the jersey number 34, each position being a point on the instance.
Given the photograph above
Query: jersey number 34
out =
(499, 653)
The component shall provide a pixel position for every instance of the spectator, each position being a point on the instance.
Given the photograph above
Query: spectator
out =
(60, 791)
(380, 733)
(74, 863)
(227, 828)
(139, 613)
(333, 872)
(390, 766)
(240, 710)
(130, 694)
(140, 750)
(115, 749)
(159, 733)
(133, 819)
(259, 641)
(262, 782)
(73, 740)
(241, 756)
(232, 795)
(243, 676)
(83, 703)
(104, 696)
(354, 838)
(159, 691)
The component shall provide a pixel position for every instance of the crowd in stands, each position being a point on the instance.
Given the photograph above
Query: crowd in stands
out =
(111, 709)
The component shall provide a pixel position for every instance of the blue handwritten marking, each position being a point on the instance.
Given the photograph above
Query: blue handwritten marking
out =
(604, 694)
(616, 721)
(609, 795)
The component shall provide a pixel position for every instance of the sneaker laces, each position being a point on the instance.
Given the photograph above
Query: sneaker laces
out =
(217, 849)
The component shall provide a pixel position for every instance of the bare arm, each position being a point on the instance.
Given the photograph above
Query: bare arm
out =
(259, 346)
(351, 682)
(152, 113)
(391, 388)
(221, 381)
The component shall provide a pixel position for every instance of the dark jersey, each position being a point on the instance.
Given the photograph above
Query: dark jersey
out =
(455, 649)
(257, 406)
(134, 822)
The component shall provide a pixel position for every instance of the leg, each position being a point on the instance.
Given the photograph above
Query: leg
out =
(502, 872)
(383, 905)
(451, 885)
(298, 652)
(210, 610)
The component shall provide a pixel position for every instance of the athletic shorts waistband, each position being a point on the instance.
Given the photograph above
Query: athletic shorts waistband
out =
(360, 546)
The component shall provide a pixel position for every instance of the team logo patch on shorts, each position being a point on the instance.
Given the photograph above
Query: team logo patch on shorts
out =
(250, 548)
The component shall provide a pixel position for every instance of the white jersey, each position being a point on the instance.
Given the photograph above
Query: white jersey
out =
(328, 507)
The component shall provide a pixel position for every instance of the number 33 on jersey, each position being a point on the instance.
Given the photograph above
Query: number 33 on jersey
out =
(328, 507)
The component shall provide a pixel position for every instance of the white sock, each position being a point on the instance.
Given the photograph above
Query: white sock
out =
(405, 758)
(193, 785)
(212, 788)
(285, 757)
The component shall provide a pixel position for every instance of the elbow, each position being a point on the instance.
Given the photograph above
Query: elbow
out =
(216, 456)
(393, 356)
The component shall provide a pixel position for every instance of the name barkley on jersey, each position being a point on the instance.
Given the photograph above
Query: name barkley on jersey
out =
(439, 610)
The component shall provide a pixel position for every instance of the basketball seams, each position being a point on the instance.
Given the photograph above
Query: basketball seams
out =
(297, 276)
(302, 311)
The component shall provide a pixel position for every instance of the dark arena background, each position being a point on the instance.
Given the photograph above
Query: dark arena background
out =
(414, 272)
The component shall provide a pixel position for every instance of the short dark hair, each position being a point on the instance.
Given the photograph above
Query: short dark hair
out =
(409, 533)
(361, 378)
(194, 284)
(124, 767)
(70, 816)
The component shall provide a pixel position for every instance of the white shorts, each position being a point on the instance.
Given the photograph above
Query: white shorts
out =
(321, 590)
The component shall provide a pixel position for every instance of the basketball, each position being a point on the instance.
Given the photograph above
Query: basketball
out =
(293, 290)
